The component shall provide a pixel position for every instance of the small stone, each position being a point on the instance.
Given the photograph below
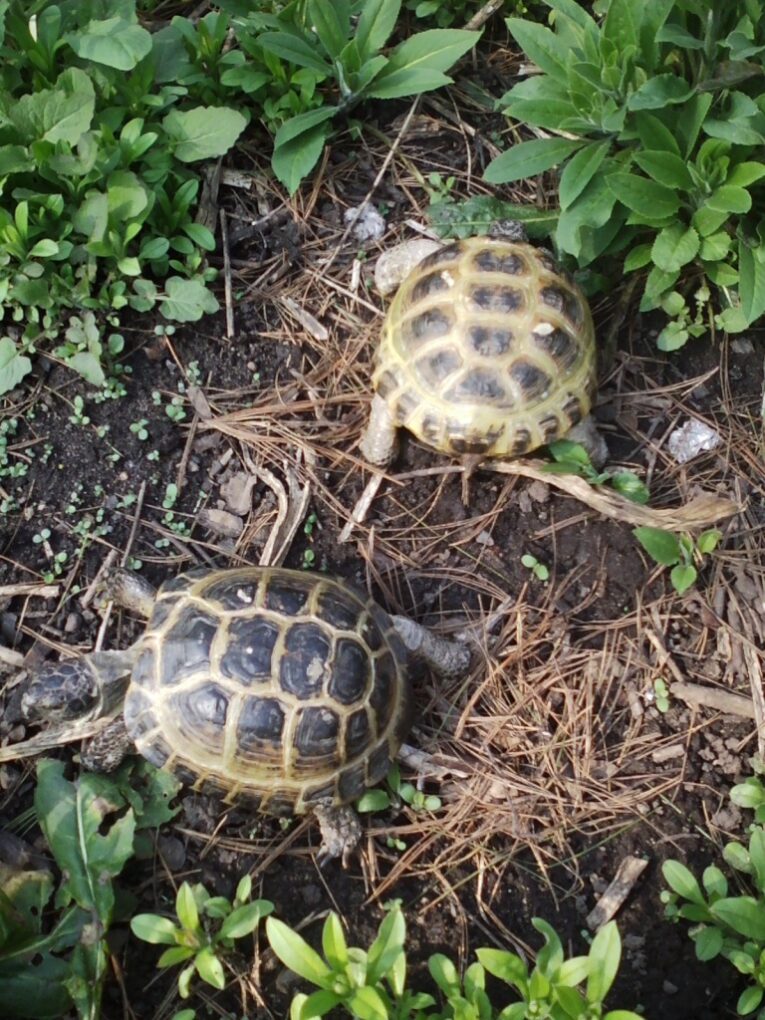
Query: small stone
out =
(691, 439)
(393, 265)
(73, 623)
(484, 538)
(668, 988)
(369, 224)
(173, 852)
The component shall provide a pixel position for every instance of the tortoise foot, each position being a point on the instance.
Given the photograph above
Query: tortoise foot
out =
(340, 832)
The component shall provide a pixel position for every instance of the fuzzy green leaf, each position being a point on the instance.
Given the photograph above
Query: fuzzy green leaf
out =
(665, 168)
(13, 365)
(209, 968)
(244, 920)
(293, 159)
(333, 942)
(682, 577)
(203, 132)
(580, 170)
(743, 914)
(154, 929)
(542, 46)
(187, 300)
(527, 159)
(387, 947)
(648, 198)
(751, 282)
(664, 547)
(295, 50)
(114, 43)
(376, 23)
(60, 114)
(675, 246)
(660, 91)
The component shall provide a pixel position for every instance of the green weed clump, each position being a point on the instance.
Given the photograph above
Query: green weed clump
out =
(657, 116)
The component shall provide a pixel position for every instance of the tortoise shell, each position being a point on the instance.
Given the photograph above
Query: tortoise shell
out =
(488, 348)
(275, 688)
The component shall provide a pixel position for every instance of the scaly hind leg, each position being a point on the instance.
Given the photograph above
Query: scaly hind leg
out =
(378, 444)
(107, 750)
(340, 831)
(447, 658)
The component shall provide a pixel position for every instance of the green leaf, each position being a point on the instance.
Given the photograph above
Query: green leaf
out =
(88, 365)
(366, 1003)
(580, 170)
(751, 282)
(308, 1007)
(621, 23)
(542, 46)
(186, 300)
(749, 794)
(244, 920)
(406, 82)
(741, 176)
(13, 365)
(715, 247)
(203, 132)
(664, 547)
(527, 159)
(387, 947)
(708, 541)
(417, 64)
(154, 929)
(114, 42)
(604, 956)
(294, 159)
(209, 968)
(444, 973)
(682, 577)
(573, 971)
(643, 196)
(675, 246)
(655, 135)
(43, 249)
(325, 21)
(60, 114)
(660, 91)
(295, 50)
(186, 908)
(175, 955)
(127, 197)
(730, 199)
(295, 953)
(749, 1000)
(508, 967)
(333, 942)
(36, 991)
(301, 124)
(709, 942)
(665, 168)
(743, 914)
(376, 23)
(631, 487)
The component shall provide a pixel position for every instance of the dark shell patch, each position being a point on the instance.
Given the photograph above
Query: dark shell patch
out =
(495, 261)
(490, 341)
(533, 382)
(260, 725)
(350, 672)
(550, 427)
(157, 751)
(161, 611)
(383, 695)
(496, 299)
(561, 347)
(446, 254)
(325, 792)
(434, 368)
(233, 594)
(357, 734)
(286, 596)
(405, 404)
(429, 325)
(522, 440)
(337, 610)
(248, 655)
(564, 301)
(316, 734)
(304, 661)
(378, 764)
(370, 634)
(144, 670)
(573, 409)
(351, 784)
(202, 712)
(138, 714)
(428, 286)
(478, 384)
(387, 384)
(186, 645)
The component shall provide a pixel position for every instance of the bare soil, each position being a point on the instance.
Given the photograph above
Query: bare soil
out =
(552, 760)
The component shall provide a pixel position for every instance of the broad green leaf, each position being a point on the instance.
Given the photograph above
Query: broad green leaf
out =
(15, 159)
(88, 365)
(708, 942)
(508, 967)
(73, 817)
(373, 800)
(293, 160)
(579, 171)
(741, 176)
(295, 50)
(749, 1000)
(376, 23)
(209, 968)
(245, 919)
(573, 971)
(621, 23)
(572, 1001)
(366, 1003)
(13, 365)
(308, 1007)
(708, 541)
(751, 282)
(679, 36)
(295, 953)
(333, 942)
(114, 43)
(637, 258)
(527, 159)
(444, 973)
(60, 114)
(437, 49)
(749, 794)
(665, 167)
(127, 197)
(174, 955)
(186, 908)
(154, 929)
(388, 945)
(406, 81)
(604, 956)
(682, 577)
(715, 247)
(186, 300)
(654, 134)
(302, 123)
(660, 91)
(203, 132)
(675, 246)
(714, 882)
(730, 199)
(593, 208)
(707, 220)
(743, 914)
(542, 46)
(643, 196)
(757, 856)
(664, 547)
(326, 22)
(35, 991)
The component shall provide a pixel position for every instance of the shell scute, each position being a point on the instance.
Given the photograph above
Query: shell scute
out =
(249, 653)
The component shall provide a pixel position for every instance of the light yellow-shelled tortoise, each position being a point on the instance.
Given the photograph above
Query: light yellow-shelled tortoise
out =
(487, 350)
(279, 690)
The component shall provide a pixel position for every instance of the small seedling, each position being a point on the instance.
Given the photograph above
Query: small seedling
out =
(139, 430)
(380, 800)
(661, 695)
(311, 522)
(679, 552)
(78, 416)
(175, 410)
(572, 459)
(309, 559)
(208, 926)
(539, 570)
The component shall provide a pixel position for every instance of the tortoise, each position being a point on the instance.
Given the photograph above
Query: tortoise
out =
(487, 350)
(279, 690)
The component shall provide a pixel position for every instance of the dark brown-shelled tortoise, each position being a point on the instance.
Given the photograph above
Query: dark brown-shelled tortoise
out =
(277, 689)
(487, 350)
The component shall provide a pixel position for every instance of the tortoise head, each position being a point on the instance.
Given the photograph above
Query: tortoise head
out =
(85, 687)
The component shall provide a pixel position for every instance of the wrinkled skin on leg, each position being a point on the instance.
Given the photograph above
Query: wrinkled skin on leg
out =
(378, 444)
(446, 658)
(340, 831)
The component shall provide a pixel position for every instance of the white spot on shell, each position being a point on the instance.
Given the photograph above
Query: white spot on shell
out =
(243, 595)
(315, 668)
(447, 277)
(544, 328)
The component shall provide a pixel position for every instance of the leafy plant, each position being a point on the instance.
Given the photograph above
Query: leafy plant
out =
(657, 126)
(678, 551)
(372, 984)
(208, 927)
(723, 925)
(343, 44)
(379, 799)
(90, 826)
(540, 570)
(572, 459)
